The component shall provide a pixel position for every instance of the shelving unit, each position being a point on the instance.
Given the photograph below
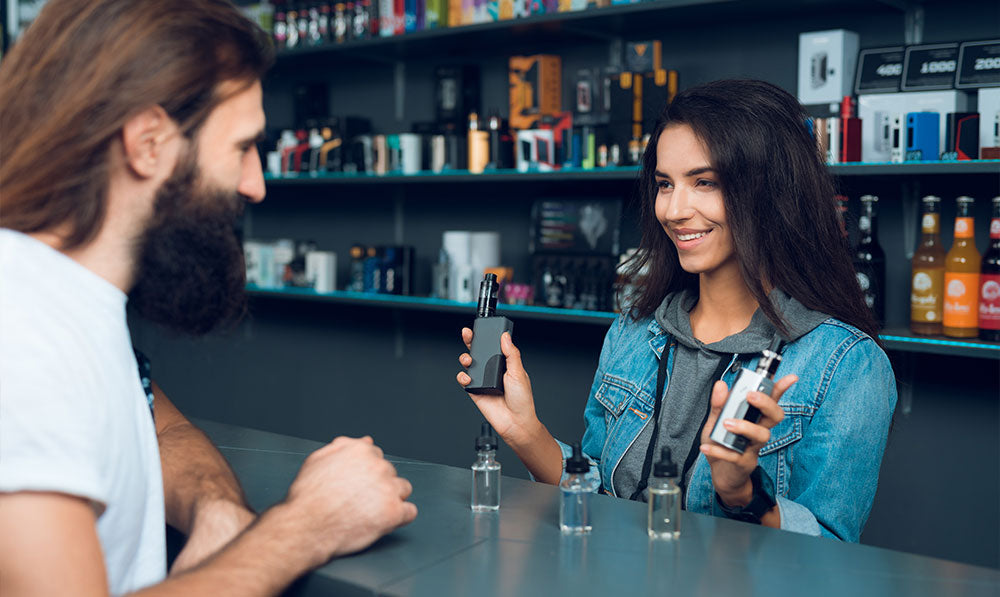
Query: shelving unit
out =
(895, 339)
(595, 23)
(623, 173)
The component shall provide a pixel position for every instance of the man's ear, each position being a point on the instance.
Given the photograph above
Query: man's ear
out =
(144, 140)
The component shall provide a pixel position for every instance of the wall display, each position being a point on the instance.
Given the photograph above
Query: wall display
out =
(880, 70)
(930, 67)
(826, 65)
(978, 64)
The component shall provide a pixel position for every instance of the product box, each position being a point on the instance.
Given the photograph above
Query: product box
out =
(658, 90)
(877, 112)
(643, 56)
(456, 93)
(535, 89)
(591, 97)
(826, 65)
(436, 14)
(989, 123)
(455, 13)
(577, 226)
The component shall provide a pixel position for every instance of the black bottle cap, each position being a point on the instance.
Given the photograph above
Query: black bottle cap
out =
(665, 467)
(577, 463)
(486, 439)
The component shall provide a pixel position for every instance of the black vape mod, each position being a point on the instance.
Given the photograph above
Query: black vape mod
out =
(737, 407)
(488, 363)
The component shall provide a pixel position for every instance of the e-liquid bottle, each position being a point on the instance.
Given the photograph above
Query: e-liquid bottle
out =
(486, 473)
(488, 363)
(961, 276)
(989, 282)
(664, 499)
(927, 280)
(737, 407)
(574, 504)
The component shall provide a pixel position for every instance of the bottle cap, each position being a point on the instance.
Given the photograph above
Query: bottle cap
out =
(665, 467)
(486, 439)
(931, 199)
(577, 464)
(964, 199)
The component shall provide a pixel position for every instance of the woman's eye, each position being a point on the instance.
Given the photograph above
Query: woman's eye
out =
(663, 185)
(707, 183)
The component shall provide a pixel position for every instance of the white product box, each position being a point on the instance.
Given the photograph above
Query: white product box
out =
(878, 109)
(826, 65)
(989, 117)
(321, 270)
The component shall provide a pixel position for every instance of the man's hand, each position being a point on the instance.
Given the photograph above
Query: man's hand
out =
(345, 497)
(216, 523)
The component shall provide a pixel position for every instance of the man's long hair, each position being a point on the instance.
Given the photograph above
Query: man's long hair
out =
(81, 70)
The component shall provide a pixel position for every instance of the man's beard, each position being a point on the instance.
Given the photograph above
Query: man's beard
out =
(190, 274)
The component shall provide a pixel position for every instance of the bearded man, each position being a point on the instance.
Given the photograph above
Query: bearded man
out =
(129, 148)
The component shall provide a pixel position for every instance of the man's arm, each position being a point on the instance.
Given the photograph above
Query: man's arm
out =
(344, 498)
(202, 497)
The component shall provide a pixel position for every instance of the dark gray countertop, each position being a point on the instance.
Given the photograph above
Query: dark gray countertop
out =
(449, 550)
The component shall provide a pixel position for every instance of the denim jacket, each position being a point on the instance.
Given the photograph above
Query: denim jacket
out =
(823, 457)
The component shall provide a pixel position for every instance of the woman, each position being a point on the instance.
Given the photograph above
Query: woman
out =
(741, 245)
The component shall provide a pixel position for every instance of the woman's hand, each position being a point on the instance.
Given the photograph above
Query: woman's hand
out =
(512, 415)
(730, 469)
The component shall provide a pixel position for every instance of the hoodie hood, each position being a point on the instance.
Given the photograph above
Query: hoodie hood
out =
(673, 315)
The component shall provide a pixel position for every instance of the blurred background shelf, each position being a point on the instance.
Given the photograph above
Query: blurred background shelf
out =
(897, 339)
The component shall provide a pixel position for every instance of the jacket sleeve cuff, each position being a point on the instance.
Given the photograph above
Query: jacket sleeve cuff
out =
(797, 518)
(567, 451)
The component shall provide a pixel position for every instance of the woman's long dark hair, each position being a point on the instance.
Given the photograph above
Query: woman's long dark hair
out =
(779, 202)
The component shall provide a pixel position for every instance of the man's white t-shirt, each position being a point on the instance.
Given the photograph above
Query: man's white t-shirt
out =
(73, 414)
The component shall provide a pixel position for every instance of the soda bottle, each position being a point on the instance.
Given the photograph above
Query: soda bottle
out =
(961, 276)
(869, 259)
(927, 280)
(989, 282)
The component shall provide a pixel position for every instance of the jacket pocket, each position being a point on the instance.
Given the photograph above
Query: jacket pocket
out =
(787, 432)
(615, 393)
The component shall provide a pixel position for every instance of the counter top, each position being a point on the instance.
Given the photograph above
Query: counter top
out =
(450, 550)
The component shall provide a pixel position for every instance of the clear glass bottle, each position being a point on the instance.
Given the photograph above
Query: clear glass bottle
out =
(486, 473)
(574, 504)
(869, 259)
(664, 499)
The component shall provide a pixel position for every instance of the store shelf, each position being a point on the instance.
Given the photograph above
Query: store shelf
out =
(918, 168)
(900, 340)
(566, 27)
(414, 303)
(457, 176)
(623, 173)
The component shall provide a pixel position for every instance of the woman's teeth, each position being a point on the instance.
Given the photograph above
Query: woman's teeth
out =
(691, 236)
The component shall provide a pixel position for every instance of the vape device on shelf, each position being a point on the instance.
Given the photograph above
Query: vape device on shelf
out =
(922, 140)
(961, 141)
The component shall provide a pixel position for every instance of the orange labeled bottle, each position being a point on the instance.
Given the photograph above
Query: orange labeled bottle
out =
(961, 277)
(927, 279)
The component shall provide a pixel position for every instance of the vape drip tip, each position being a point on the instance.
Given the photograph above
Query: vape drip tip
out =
(486, 439)
(577, 463)
(488, 289)
(769, 362)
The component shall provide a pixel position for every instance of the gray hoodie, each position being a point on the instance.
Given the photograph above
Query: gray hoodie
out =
(685, 403)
